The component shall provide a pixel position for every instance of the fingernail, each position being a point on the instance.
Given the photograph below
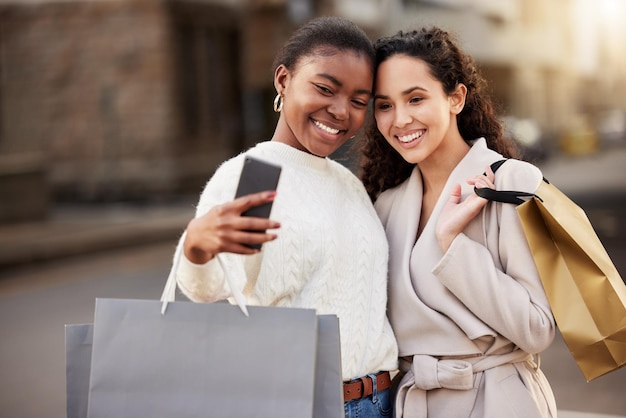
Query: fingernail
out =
(271, 194)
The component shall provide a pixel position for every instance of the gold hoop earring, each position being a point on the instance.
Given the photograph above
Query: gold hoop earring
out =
(278, 103)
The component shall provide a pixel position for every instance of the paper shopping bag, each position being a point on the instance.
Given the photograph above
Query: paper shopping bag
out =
(78, 340)
(586, 293)
(202, 360)
(328, 400)
(328, 396)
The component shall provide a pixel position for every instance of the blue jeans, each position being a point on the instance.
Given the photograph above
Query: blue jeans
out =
(378, 404)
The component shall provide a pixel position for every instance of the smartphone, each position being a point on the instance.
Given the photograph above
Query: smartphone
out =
(257, 176)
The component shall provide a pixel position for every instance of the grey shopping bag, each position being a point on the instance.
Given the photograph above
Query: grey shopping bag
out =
(78, 340)
(328, 397)
(328, 400)
(201, 360)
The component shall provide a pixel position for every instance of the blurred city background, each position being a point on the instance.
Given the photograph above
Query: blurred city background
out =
(110, 100)
(114, 114)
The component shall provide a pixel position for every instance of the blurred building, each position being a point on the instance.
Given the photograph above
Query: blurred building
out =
(131, 99)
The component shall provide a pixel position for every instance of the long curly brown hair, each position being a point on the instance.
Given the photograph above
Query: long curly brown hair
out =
(381, 167)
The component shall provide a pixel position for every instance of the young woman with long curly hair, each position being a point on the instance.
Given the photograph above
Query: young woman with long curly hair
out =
(465, 300)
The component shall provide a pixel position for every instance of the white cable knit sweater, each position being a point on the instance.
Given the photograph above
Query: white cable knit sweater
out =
(331, 254)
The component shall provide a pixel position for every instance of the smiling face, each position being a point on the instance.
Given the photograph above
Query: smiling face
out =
(325, 100)
(413, 112)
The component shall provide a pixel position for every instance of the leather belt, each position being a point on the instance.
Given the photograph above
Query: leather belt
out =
(364, 386)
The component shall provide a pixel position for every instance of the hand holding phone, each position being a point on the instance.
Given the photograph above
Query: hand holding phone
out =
(256, 176)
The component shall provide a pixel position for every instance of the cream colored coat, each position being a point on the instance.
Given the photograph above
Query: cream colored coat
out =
(467, 321)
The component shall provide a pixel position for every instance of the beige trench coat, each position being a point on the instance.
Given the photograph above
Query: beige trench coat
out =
(469, 321)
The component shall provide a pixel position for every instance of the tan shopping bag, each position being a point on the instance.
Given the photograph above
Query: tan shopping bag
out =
(585, 291)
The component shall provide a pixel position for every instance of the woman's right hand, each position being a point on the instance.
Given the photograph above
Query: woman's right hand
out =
(224, 229)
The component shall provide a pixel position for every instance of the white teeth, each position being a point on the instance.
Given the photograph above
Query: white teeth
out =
(326, 128)
(408, 138)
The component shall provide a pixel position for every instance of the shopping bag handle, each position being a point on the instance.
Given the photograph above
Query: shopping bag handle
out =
(504, 196)
(169, 292)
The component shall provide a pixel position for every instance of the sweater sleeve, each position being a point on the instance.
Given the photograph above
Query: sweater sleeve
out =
(511, 300)
(207, 282)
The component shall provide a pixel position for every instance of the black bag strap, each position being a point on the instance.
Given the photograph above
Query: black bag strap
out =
(497, 164)
(504, 196)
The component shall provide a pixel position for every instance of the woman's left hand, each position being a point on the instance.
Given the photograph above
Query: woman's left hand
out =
(456, 214)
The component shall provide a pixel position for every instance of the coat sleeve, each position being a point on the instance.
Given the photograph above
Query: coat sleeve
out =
(206, 282)
(506, 295)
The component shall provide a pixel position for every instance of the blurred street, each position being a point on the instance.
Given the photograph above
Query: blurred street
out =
(51, 273)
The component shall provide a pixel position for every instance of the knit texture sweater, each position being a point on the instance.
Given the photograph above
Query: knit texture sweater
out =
(331, 254)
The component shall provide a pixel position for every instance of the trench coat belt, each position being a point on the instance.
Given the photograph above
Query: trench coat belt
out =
(451, 373)
(427, 372)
